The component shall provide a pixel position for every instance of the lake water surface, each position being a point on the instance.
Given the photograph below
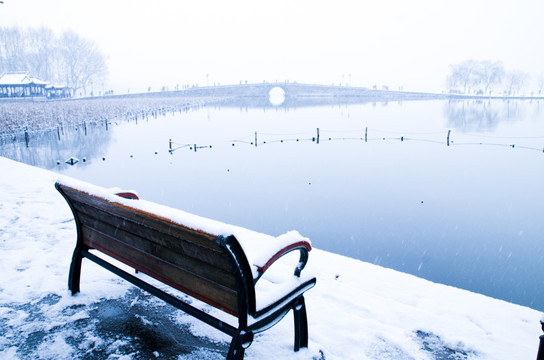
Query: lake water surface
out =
(378, 182)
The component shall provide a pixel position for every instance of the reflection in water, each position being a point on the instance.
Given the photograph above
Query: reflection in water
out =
(380, 185)
(481, 115)
(46, 149)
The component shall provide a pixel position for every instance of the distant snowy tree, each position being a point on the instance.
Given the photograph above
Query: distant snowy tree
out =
(67, 59)
(12, 50)
(41, 53)
(540, 83)
(514, 81)
(490, 73)
(475, 74)
(82, 62)
(463, 75)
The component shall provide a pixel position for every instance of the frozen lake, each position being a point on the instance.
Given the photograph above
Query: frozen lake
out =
(377, 182)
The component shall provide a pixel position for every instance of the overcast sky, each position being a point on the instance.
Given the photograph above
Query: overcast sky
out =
(408, 43)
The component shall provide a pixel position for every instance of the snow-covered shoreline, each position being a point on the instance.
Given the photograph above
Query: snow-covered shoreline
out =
(356, 311)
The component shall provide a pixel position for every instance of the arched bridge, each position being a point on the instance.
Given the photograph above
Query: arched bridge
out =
(292, 90)
(294, 94)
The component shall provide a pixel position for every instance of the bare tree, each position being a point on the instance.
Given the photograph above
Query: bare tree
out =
(464, 74)
(12, 49)
(472, 73)
(69, 59)
(490, 73)
(540, 83)
(42, 52)
(514, 81)
(82, 61)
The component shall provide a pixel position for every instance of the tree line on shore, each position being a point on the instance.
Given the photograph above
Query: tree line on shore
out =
(489, 77)
(64, 59)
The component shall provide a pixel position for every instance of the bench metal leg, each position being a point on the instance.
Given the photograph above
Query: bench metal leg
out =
(301, 324)
(540, 355)
(75, 271)
(240, 341)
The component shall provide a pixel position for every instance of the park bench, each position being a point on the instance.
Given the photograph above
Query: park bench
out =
(227, 267)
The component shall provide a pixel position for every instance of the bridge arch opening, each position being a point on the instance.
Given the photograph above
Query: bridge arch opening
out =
(276, 96)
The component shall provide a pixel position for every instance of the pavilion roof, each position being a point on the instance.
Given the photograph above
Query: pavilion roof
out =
(20, 78)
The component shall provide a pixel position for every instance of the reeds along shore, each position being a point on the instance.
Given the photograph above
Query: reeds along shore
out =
(16, 117)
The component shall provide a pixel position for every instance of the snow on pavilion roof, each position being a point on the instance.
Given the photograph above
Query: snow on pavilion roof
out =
(20, 78)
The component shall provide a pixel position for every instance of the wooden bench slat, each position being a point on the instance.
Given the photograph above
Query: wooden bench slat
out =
(145, 219)
(176, 245)
(198, 287)
(191, 264)
(176, 238)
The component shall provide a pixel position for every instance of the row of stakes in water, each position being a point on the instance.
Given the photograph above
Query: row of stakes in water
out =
(72, 160)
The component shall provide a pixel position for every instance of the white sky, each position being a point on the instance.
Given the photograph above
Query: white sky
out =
(382, 42)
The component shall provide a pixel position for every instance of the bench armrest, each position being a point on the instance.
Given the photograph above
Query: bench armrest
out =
(127, 195)
(303, 246)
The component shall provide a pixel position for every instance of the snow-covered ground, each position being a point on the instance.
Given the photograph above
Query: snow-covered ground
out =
(356, 311)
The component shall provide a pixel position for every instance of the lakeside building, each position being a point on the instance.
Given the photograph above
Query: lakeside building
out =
(23, 84)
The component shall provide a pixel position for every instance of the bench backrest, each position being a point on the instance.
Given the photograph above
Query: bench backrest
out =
(189, 260)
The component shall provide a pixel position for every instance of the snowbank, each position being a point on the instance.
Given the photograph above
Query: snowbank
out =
(356, 311)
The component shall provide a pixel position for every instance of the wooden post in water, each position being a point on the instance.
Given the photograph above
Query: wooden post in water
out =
(27, 138)
(366, 134)
(170, 144)
(195, 147)
(255, 139)
(449, 132)
(58, 132)
(85, 127)
(318, 135)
